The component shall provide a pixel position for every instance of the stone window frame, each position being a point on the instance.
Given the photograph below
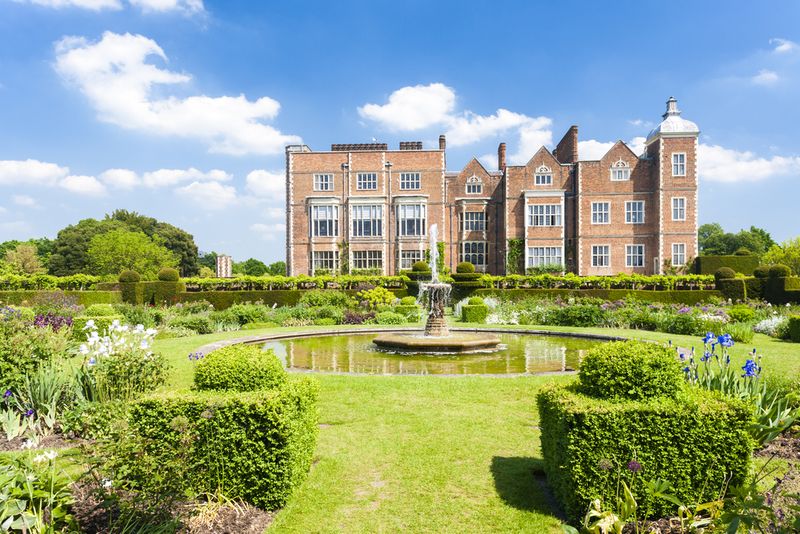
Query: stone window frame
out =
(677, 254)
(546, 256)
(422, 230)
(319, 185)
(363, 181)
(330, 261)
(410, 181)
(473, 221)
(620, 171)
(413, 256)
(372, 259)
(597, 254)
(314, 219)
(543, 175)
(374, 222)
(679, 208)
(607, 212)
(680, 165)
(548, 211)
(629, 256)
(474, 186)
(481, 252)
(629, 212)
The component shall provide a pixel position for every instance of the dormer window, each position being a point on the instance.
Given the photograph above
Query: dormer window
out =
(543, 176)
(474, 186)
(620, 171)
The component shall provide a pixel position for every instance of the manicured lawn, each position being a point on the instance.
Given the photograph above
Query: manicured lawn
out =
(433, 454)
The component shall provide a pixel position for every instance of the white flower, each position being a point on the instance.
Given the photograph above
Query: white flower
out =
(89, 324)
(83, 349)
(39, 459)
(28, 444)
(138, 328)
(144, 345)
(107, 484)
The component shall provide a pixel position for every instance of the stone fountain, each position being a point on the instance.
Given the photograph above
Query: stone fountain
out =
(437, 336)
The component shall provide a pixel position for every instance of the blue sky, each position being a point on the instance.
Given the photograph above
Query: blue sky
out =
(179, 109)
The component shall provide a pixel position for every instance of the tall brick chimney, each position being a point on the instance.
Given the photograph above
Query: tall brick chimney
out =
(501, 157)
(567, 149)
(442, 142)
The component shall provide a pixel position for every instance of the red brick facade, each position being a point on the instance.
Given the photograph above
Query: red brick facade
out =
(365, 208)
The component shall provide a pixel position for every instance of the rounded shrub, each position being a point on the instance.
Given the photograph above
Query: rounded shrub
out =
(476, 301)
(779, 271)
(762, 271)
(742, 251)
(390, 317)
(631, 370)
(168, 274)
(724, 273)
(127, 276)
(99, 310)
(741, 313)
(465, 267)
(239, 368)
(408, 301)
(420, 267)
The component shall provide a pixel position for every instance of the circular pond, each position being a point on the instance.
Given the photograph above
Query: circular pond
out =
(355, 353)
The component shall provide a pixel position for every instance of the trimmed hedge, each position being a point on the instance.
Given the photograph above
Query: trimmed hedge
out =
(794, 328)
(168, 274)
(733, 288)
(84, 298)
(474, 313)
(258, 445)
(630, 370)
(675, 296)
(412, 311)
(239, 368)
(160, 292)
(102, 322)
(695, 441)
(711, 264)
(222, 300)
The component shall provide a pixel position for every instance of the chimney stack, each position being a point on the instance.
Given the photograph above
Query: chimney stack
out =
(501, 157)
(442, 142)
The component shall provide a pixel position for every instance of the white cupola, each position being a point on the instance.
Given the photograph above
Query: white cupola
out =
(673, 124)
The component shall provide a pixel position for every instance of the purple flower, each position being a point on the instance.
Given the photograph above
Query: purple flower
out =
(7, 394)
(750, 368)
(709, 337)
(30, 412)
(634, 466)
(725, 340)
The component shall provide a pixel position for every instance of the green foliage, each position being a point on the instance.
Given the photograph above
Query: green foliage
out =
(742, 251)
(277, 268)
(390, 317)
(254, 446)
(630, 370)
(739, 264)
(787, 253)
(250, 267)
(325, 297)
(80, 324)
(168, 274)
(71, 246)
(239, 368)
(99, 310)
(741, 313)
(420, 267)
(243, 313)
(740, 332)
(121, 249)
(377, 296)
(13, 282)
(778, 270)
(411, 312)
(465, 267)
(24, 348)
(713, 240)
(95, 420)
(762, 271)
(24, 259)
(555, 269)
(160, 292)
(697, 441)
(199, 324)
(128, 276)
(515, 256)
(724, 273)
(408, 301)
(734, 289)
(84, 298)
(677, 297)
(475, 301)
(794, 328)
(474, 313)
(583, 315)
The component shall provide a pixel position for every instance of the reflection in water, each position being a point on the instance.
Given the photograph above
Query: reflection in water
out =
(355, 353)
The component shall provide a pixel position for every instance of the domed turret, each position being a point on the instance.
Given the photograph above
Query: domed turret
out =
(673, 124)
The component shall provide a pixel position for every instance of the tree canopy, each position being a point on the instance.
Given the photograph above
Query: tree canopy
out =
(714, 241)
(24, 259)
(120, 249)
(787, 253)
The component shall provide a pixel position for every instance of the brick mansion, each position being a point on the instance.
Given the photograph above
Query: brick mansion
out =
(365, 207)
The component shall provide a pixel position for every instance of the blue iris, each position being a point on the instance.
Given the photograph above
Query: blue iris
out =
(750, 368)
(725, 340)
(709, 337)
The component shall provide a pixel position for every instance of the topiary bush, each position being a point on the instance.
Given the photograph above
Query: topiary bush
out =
(475, 301)
(129, 277)
(420, 267)
(762, 271)
(257, 446)
(465, 267)
(698, 442)
(168, 274)
(99, 310)
(474, 313)
(724, 273)
(741, 313)
(239, 368)
(779, 271)
(631, 370)
(794, 328)
(742, 251)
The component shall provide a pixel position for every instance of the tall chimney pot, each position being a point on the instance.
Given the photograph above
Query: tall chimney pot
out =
(501, 157)
(442, 142)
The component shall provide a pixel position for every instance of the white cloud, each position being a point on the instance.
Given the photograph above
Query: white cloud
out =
(114, 75)
(719, 164)
(162, 6)
(30, 172)
(765, 77)
(413, 108)
(269, 232)
(93, 5)
(83, 185)
(170, 177)
(641, 123)
(418, 107)
(210, 195)
(782, 46)
(267, 184)
(120, 178)
(15, 229)
(591, 149)
(24, 200)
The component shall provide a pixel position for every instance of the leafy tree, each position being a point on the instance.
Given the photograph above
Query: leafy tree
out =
(71, 246)
(713, 240)
(24, 259)
(205, 272)
(787, 253)
(120, 249)
(208, 259)
(250, 267)
(277, 268)
(43, 246)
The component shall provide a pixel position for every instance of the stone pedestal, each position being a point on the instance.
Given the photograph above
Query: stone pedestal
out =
(436, 326)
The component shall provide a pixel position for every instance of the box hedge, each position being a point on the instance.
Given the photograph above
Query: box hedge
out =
(239, 368)
(474, 313)
(740, 264)
(733, 288)
(222, 300)
(256, 446)
(83, 298)
(161, 292)
(680, 296)
(794, 328)
(695, 441)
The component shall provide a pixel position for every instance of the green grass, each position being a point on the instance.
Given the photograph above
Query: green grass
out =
(433, 454)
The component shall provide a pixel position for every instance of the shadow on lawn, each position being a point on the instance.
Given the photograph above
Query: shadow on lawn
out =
(520, 482)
